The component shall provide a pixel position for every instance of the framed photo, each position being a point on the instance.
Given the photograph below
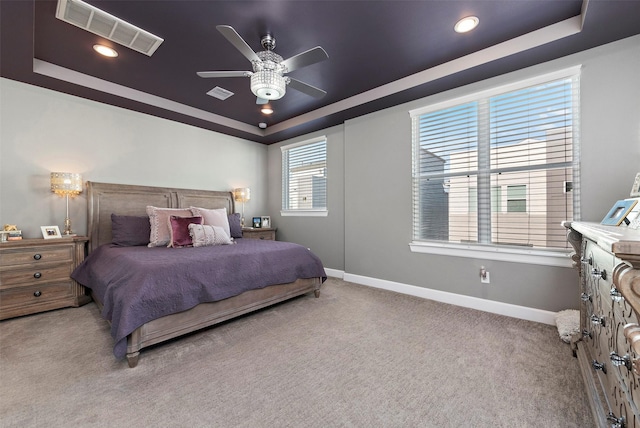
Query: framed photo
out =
(257, 222)
(635, 189)
(50, 232)
(266, 221)
(618, 213)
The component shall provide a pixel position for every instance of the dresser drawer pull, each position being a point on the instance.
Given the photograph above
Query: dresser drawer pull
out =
(37, 293)
(586, 333)
(616, 296)
(37, 275)
(599, 273)
(615, 422)
(588, 261)
(585, 297)
(618, 361)
(599, 366)
(37, 256)
(595, 320)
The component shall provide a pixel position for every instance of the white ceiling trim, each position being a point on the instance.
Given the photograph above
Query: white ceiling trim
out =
(519, 44)
(77, 78)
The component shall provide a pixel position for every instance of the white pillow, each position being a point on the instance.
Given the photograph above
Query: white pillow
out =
(213, 217)
(204, 235)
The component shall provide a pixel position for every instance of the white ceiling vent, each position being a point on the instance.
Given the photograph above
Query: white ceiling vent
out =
(90, 18)
(220, 93)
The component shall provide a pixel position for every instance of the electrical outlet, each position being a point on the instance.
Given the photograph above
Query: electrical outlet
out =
(485, 279)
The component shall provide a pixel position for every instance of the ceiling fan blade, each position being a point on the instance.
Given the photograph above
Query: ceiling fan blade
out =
(305, 58)
(306, 88)
(261, 101)
(224, 73)
(238, 42)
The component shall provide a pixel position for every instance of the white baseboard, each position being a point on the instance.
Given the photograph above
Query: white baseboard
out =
(507, 309)
(334, 273)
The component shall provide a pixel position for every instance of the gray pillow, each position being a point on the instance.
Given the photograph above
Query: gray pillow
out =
(130, 231)
(234, 225)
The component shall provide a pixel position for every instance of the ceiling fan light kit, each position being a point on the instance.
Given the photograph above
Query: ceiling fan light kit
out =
(268, 85)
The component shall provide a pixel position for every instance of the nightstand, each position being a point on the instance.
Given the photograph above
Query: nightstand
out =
(259, 233)
(35, 275)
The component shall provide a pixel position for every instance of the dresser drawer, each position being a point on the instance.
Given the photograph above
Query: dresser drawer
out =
(34, 275)
(34, 256)
(23, 298)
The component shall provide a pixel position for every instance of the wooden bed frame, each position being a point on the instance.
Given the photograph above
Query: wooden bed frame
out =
(103, 199)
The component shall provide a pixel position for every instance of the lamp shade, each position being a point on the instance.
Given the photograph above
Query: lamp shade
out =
(242, 194)
(66, 183)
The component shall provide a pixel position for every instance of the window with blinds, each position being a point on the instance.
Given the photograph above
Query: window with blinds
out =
(304, 177)
(499, 167)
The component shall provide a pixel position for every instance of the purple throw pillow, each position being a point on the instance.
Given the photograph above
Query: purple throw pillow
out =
(234, 225)
(130, 231)
(180, 236)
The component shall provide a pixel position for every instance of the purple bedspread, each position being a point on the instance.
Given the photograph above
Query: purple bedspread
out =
(140, 284)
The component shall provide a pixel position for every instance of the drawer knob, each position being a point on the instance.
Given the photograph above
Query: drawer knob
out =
(599, 273)
(262, 237)
(617, 360)
(586, 333)
(585, 297)
(614, 421)
(37, 256)
(616, 296)
(37, 275)
(599, 366)
(595, 320)
(588, 261)
(38, 293)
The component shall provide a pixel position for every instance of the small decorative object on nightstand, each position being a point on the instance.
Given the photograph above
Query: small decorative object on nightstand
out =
(260, 233)
(35, 275)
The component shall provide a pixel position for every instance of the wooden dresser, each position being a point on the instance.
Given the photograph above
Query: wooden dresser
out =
(259, 233)
(608, 347)
(35, 275)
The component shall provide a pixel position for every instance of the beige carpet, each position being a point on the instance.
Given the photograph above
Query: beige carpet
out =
(355, 357)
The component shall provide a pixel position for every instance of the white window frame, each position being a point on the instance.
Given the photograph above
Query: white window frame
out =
(540, 256)
(315, 212)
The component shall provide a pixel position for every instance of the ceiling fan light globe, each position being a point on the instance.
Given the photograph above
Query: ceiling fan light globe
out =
(268, 85)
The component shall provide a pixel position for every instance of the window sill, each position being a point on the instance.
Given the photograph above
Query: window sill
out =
(558, 258)
(305, 213)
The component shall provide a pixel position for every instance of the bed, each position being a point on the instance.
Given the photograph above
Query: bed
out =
(195, 287)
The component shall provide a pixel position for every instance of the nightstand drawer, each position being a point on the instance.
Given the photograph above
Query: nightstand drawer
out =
(30, 256)
(263, 233)
(21, 299)
(34, 275)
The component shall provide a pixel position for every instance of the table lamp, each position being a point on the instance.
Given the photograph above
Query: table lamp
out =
(242, 194)
(66, 184)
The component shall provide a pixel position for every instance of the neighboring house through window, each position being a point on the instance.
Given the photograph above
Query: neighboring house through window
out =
(304, 178)
(498, 168)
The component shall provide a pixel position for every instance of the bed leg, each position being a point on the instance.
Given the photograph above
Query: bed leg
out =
(132, 359)
(317, 293)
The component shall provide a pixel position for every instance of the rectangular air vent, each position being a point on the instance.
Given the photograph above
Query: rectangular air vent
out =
(90, 18)
(220, 93)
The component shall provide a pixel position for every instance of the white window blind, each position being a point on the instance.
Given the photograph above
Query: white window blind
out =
(304, 176)
(500, 167)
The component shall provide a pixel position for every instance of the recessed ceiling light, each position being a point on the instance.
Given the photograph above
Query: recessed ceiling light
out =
(267, 110)
(466, 24)
(105, 50)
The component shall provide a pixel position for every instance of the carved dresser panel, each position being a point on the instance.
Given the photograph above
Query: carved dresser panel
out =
(608, 349)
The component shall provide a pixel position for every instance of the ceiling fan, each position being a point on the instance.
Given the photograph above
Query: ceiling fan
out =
(268, 80)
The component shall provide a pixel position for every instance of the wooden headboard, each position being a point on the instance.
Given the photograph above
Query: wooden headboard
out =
(103, 199)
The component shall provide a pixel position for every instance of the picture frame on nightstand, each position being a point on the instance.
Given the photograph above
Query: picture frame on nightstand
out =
(266, 221)
(50, 232)
(635, 189)
(257, 222)
(618, 213)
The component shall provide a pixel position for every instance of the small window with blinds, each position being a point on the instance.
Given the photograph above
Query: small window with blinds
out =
(500, 167)
(304, 178)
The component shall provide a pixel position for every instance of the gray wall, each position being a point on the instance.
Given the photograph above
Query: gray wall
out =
(43, 131)
(377, 187)
(324, 235)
